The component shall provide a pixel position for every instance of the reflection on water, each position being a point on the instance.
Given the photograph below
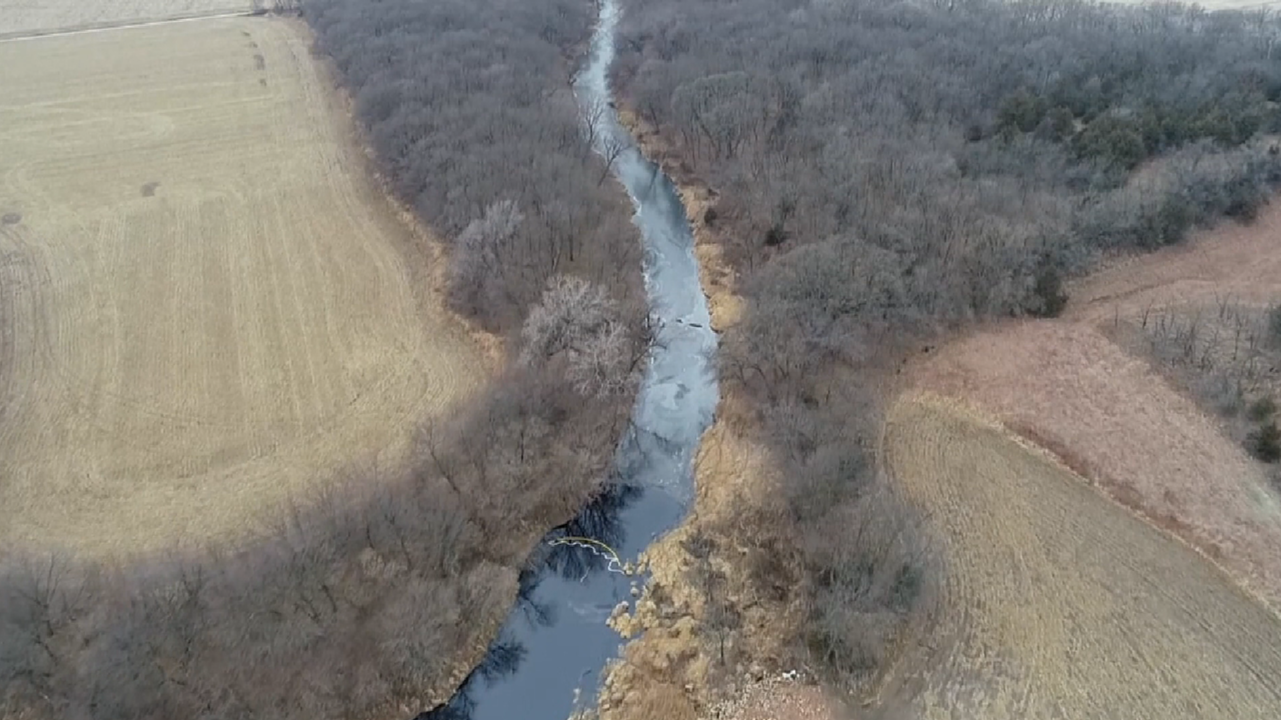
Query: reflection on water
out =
(555, 641)
(552, 593)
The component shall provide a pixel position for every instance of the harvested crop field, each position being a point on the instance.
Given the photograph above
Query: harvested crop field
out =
(1120, 422)
(1056, 602)
(32, 17)
(207, 309)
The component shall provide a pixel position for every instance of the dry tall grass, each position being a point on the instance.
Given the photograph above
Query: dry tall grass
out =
(1120, 424)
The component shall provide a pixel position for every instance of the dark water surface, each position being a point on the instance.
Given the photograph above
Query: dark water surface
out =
(552, 648)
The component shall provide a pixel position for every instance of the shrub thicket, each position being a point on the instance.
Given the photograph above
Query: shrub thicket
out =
(1265, 442)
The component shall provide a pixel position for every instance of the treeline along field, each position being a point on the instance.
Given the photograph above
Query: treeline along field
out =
(374, 596)
(478, 125)
(886, 171)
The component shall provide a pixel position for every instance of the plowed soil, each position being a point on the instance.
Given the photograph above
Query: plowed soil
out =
(1057, 602)
(206, 307)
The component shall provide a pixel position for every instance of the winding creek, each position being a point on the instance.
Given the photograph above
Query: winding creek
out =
(548, 656)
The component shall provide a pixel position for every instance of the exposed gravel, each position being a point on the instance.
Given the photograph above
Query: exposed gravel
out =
(777, 699)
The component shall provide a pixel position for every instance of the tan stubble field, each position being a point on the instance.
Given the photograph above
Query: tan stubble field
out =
(1080, 524)
(206, 307)
(1057, 602)
(36, 17)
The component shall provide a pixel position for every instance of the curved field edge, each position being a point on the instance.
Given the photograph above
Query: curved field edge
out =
(1056, 601)
(1119, 422)
(224, 316)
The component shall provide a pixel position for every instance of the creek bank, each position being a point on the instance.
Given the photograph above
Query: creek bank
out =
(718, 279)
(556, 641)
(685, 661)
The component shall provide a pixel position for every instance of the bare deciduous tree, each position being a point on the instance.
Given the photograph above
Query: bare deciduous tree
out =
(480, 119)
(578, 320)
(480, 255)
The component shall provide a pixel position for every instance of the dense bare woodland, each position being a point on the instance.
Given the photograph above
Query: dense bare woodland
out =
(470, 110)
(886, 171)
(371, 600)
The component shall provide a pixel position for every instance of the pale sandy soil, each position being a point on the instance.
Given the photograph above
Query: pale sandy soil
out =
(208, 308)
(1057, 602)
(32, 17)
(777, 700)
